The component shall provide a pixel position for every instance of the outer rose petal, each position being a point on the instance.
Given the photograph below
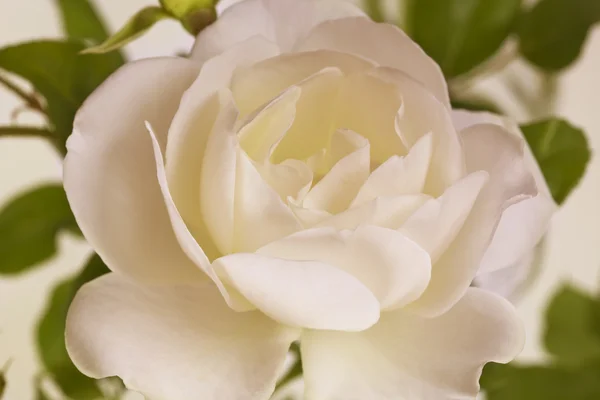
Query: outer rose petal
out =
(407, 357)
(523, 224)
(283, 22)
(385, 44)
(508, 281)
(110, 171)
(174, 342)
(489, 148)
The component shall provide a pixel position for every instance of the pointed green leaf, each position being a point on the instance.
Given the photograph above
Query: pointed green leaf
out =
(81, 20)
(552, 33)
(561, 151)
(29, 225)
(460, 34)
(571, 332)
(61, 74)
(51, 335)
(134, 28)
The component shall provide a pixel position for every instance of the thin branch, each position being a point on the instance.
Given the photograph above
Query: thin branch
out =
(25, 131)
(30, 99)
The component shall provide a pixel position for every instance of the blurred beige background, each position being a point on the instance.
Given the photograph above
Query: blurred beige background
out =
(573, 245)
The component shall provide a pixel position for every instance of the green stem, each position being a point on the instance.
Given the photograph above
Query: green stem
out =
(30, 99)
(25, 131)
(374, 10)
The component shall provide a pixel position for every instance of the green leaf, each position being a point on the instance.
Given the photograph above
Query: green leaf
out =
(571, 327)
(561, 151)
(63, 76)
(476, 104)
(375, 10)
(512, 382)
(40, 395)
(2, 383)
(460, 34)
(134, 28)
(82, 21)
(553, 32)
(29, 225)
(51, 332)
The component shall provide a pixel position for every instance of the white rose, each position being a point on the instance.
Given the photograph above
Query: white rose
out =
(299, 178)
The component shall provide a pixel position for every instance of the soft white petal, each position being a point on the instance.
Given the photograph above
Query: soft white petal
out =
(398, 175)
(240, 209)
(521, 228)
(421, 114)
(258, 84)
(188, 243)
(283, 22)
(191, 127)
(335, 191)
(174, 342)
(387, 212)
(268, 126)
(313, 125)
(435, 225)
(407, 357)
(368, 106)
(487, 148)
(307, 294)
(523, 224)
(393, 267)
(261, 135)
(218, 176)
(509, 282)
(110, 170)
(261, 216)
(385, 44)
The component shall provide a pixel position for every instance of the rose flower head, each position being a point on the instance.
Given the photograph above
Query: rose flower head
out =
(300, 178)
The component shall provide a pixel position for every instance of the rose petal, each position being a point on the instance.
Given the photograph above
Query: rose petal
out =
(398, 175)
(282, 22)
(189, 245)
(487, 148)
(368, 106)
(313, 125)
(385, 44)
(335, 191)
(110, 171)
(435, 225)
(240, 209)
(421, 114)
(174, 342)
(258, 84)
(393, 267)
(523, 224)
(218, 176)
(387, 212)
(414, 358)
(191, 127)
(307, 294)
